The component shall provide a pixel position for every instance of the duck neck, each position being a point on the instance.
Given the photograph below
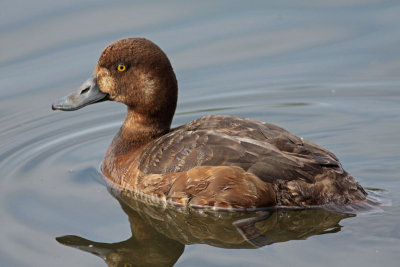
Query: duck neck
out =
(140, 129)
(136, 131)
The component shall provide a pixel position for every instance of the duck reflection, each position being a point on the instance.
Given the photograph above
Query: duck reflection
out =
(159, 234)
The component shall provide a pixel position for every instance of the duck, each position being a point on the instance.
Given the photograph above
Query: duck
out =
(216, 161)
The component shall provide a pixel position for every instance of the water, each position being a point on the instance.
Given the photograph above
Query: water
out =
(328, 72)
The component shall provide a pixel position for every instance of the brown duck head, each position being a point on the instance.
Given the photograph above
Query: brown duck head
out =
(133, 71)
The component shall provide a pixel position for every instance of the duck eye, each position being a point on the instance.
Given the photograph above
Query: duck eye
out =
(121, 67)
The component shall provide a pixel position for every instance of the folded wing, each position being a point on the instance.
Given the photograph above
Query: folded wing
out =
(266, 150)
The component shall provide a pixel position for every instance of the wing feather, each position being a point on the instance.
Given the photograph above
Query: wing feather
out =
(266, 150)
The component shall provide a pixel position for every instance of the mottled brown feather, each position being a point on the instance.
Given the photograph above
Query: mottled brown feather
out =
(265, 150)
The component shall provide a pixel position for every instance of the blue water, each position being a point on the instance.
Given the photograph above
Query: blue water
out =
(327, 71)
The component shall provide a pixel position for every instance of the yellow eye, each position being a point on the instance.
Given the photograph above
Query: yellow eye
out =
(121, 67)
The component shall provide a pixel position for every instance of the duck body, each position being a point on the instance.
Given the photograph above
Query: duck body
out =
(223, 162)
(232, 162)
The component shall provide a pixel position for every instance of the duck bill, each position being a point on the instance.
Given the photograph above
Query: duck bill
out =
(88, 93)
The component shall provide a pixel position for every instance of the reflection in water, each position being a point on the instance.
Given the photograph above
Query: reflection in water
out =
(160, 234)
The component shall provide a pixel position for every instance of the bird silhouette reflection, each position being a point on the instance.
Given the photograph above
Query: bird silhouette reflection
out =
(159, 233)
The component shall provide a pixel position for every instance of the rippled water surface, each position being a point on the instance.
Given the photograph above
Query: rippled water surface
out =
(325, 70)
